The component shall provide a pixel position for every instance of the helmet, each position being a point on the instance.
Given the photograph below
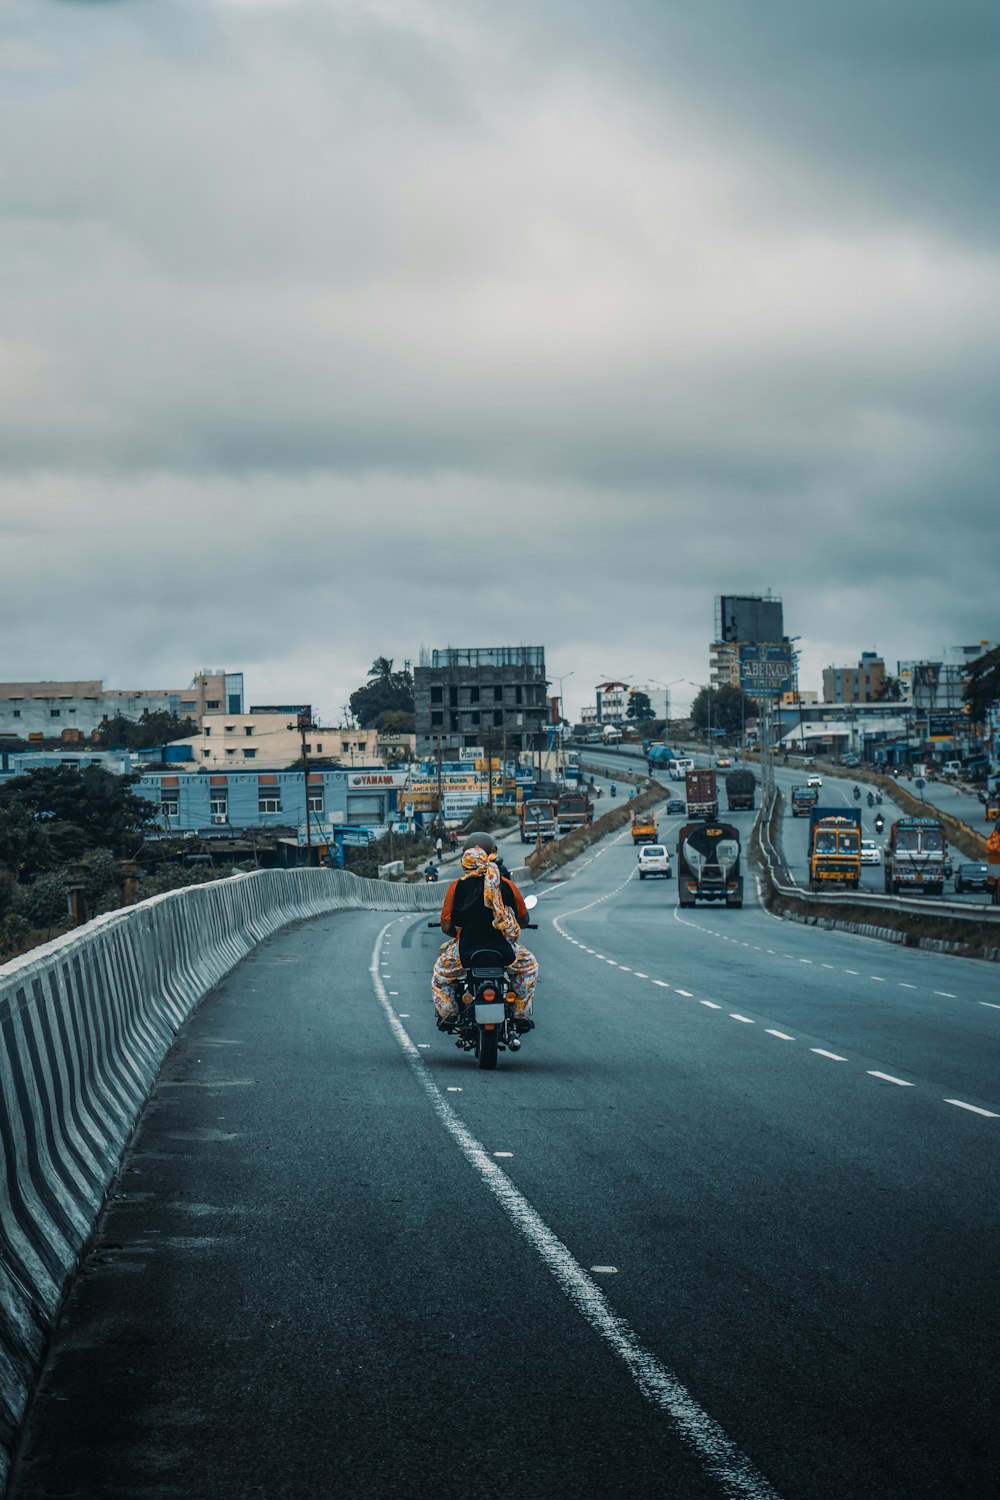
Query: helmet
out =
(482, 841)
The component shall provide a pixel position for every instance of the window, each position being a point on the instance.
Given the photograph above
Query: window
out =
(269, 801)
(230, 728)
(453, 697)
(518, 698)
(498, 695)
(54, 713)
(437, 695)
(189, 704)
(207, 733)
(170, 805)
(248, 730)
(316, 799)
(475, 716)
(437, 717)
(206, 754)
(498, 716)
(319, 747)
(211, 703)
(17, 713)
(474, 695)
(219, 808)
(230, 751)
(249, 755)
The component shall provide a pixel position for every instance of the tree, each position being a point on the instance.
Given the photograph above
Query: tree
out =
(385, 691)
(982, 685)
(395, 721)
(890, 691)
(25, 849)
(81, 809)
(727, 710)
(639, 707)
(146, 733)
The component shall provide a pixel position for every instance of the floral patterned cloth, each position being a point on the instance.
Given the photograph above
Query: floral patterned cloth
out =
(448, 977)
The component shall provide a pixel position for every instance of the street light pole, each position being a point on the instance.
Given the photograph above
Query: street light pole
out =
(559, 728)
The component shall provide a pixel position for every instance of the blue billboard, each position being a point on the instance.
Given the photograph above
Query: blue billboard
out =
(766, 671)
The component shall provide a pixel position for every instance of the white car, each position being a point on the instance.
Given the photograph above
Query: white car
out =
(814, 779)
(871, 854)
(654, 859)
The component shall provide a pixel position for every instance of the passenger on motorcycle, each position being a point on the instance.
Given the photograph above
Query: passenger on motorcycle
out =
(482, 909)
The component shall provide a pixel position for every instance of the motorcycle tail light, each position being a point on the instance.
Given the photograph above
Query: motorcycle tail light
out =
(489, 994)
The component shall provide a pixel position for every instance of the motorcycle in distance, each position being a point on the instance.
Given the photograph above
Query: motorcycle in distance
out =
(430, 871)
(614, 789)
(871, 799)
(485, 1023)
(857, 794)
(879, 822)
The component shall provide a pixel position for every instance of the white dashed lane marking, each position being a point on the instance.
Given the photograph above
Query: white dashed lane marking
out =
(779, 1035)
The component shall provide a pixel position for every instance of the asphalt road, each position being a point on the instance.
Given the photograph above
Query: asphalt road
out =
(725, 1226)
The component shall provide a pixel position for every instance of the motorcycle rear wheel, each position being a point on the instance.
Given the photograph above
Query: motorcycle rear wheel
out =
(486, 1047)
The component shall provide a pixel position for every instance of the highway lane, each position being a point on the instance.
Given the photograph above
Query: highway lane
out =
(803, 1253)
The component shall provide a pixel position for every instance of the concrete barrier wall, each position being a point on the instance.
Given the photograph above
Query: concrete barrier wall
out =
(85, 1023)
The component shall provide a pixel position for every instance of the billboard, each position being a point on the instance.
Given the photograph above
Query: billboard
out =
(766, 671)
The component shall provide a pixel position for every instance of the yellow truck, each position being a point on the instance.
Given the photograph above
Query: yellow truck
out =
(644, 828)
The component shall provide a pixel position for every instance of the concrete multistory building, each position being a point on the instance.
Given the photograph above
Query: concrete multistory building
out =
(488, 696)
(865, 683)
(612, 702)
(73, 710)
(274, 740)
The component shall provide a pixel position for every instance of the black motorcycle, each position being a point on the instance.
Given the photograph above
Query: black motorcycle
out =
(485, 1023)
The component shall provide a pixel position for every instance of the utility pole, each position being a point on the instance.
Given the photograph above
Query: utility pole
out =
(304, 723)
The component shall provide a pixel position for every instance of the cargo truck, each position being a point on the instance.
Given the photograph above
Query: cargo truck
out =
(835, 846)
(573, 810)
(702, 793)
(538, 820)
(708, 863)
(804, 799)
(740, 789)
(993, 864)
(916, 856)
(644, 827)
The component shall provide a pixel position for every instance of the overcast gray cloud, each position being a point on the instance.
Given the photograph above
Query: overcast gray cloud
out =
(311, 313)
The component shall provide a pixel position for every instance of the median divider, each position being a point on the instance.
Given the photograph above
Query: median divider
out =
(85, 1023)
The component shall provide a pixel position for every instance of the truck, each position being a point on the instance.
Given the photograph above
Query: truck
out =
(702, 793)
(574, 809)
(916, 856)
(538, 820)
(611, 734)
(804, 799)
(708, 863)
(644, 827)
(659, 758)
(741, 787)
(993, 863)
(835, 846)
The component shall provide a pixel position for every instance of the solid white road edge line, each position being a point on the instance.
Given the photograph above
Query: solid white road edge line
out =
(703, 1435)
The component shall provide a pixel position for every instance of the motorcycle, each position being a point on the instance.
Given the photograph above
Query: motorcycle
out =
(430, 873)
(857, 794)
(871, 799)
(878, 796)
(879, 823)
(614, 789)
(485, 1023)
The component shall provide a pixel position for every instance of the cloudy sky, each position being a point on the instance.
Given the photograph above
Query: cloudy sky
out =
(332, 329)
